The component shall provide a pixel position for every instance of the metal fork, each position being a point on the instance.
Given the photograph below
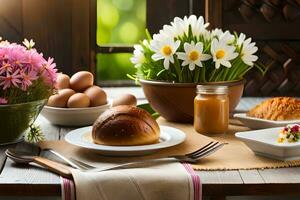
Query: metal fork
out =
(192, 157)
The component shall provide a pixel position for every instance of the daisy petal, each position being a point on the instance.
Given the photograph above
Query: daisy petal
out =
(166, 63)
(226, 64)
(181, 55)
(191, 66)
(205, 57)
(157, 57)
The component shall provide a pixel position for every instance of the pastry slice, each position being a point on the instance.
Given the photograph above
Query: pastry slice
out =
(278, 108)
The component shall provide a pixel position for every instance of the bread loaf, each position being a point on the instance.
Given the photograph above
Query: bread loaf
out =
(125, 126)
(278, 108)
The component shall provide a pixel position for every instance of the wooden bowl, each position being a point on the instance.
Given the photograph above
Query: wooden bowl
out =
(175, 101)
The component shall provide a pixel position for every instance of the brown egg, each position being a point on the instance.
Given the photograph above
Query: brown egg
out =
(78, 100)
(60, 99)
(81, 80)
(97, 96)
(63, 81)
(125, 99)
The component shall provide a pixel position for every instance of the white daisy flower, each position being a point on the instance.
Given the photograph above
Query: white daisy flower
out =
(161, 36)
(193, 55)
(222, 53)
(248, 49)
(206, 35)
(198, 26)
(164, 49)
(227, 36)
(138, 57)
(28, 43)
(146, 43)
(241, 39)
(216, 33)
(168, 31)
(180, 26)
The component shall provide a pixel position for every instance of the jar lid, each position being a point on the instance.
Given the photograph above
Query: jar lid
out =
(212, 89)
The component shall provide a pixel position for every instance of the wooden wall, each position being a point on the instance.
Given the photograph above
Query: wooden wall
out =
(61, 29)
(274, 26)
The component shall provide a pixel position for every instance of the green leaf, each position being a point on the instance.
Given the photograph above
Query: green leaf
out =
(148, 35)
(149, 109)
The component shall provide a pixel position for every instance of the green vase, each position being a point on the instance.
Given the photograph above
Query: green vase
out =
(15, 119)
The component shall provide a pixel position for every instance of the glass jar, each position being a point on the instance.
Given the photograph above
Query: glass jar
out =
(211, 109)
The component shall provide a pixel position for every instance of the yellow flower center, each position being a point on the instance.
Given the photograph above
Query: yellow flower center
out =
(220, 54)
(194, 55)
(167, 50)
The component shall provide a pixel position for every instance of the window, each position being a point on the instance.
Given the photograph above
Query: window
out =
(120, 24)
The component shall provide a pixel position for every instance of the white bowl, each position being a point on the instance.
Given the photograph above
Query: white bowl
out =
(264, 143)
(73, 116)
(257, 123)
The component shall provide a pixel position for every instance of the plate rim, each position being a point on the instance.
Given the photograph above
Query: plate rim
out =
(241, 136)
(123, 149)
(279, 122)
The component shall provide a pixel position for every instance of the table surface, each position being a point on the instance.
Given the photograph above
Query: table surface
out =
(23, 181)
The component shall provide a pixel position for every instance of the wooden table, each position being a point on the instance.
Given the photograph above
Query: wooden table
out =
(34, 181)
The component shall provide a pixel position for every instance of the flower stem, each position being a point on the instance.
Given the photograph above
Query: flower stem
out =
(177, 68)
(212, 75)
(203, 69)
(197, 73)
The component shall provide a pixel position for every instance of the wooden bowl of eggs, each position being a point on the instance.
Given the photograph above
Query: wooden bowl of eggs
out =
(78, 102)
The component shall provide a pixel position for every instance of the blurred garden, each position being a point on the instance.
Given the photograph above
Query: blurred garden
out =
(119, 22)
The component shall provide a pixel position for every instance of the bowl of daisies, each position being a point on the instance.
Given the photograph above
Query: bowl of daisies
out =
(170, 64)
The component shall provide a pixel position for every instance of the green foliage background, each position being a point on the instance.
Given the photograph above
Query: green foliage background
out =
(119, 22)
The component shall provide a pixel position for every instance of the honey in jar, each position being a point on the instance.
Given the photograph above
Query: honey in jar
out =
(211, 109)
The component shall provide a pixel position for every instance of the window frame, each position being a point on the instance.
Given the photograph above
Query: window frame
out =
(158, 13)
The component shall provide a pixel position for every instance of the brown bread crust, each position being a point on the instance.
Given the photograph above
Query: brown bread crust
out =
(125, 126)
(278, 108)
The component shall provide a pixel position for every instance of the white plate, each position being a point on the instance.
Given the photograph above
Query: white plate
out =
(264, 142)
(257, 123)
(168, 137)
(74, 116)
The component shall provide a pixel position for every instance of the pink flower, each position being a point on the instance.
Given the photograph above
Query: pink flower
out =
(33, 59)
(10, 79)
(49, 71)
(3, 101)
(27, 78)
(21, 69)
(6, 67)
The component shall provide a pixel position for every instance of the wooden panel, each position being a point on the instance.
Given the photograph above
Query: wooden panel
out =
(213, 13)
(220, 177)
(283, 175)
(197, 7)
(251, 176)
(49, 24)
(11, 20)
(81, 35)
(93, 35)
(28, 180)
(162, 12)
(50, 131)
(63, 29)
(64, 131)
(274, 26)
